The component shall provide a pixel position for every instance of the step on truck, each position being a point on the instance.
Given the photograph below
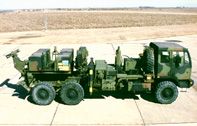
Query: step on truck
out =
(161, 68)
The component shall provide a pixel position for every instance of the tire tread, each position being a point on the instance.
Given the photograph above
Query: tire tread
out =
(163, 85)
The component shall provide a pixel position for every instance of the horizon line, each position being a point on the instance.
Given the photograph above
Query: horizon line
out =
(104, 8)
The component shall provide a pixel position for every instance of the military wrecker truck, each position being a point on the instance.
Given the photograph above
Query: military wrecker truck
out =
(161, 68)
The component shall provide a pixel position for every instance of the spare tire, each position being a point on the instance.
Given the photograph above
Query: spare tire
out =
(148, 60)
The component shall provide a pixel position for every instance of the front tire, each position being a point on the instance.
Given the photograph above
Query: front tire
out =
(43, 93)
(166, 92)
(71, 93)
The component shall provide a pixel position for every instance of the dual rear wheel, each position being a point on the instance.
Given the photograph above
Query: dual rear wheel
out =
(70, 93)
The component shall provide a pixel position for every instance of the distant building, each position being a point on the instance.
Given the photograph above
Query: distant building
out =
(146, 7)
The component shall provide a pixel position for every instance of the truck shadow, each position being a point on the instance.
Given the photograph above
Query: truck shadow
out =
(118, 95)
(22, 93)
(149, 97)
(123, 95)
(105, 95)
(19, 91)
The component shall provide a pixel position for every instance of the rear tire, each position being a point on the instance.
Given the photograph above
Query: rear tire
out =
(166, 92)
(71, 93)
(43, 93)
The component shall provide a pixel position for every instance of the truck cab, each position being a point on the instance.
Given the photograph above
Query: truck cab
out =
(172, 62)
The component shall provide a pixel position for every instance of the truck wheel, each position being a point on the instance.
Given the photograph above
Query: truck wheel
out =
(43, 93)
(148, 58)
(71, 93)
(166, 92)
(50, 86)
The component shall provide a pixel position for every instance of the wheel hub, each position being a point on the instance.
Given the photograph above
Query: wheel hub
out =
(72, 94)
(42, 94)
(167, 93)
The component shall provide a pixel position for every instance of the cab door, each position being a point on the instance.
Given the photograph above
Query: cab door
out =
(181, 65)
(164, 64)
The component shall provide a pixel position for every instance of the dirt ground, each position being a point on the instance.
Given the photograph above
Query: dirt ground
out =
(95, 26)
(106, 35)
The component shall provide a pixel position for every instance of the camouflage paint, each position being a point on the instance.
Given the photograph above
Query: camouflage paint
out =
(172, 69)
(164, 69)
(103, 76)
(180, 69)
(33, 66)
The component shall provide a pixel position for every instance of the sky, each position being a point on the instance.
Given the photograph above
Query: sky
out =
(36, 4)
